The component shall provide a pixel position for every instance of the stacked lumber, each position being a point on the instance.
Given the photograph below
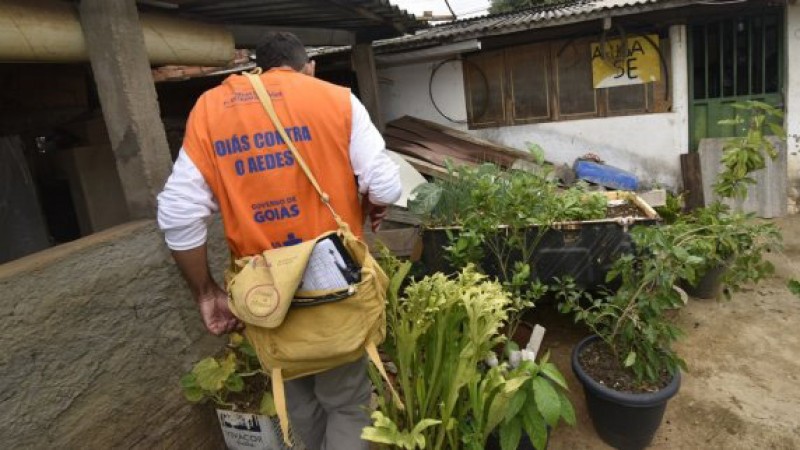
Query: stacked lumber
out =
(427, 146)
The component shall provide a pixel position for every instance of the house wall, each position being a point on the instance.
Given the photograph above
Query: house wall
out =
(648, 144)
(793, 102)
(96, 335)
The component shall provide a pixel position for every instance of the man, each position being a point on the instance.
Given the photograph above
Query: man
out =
(233, 160)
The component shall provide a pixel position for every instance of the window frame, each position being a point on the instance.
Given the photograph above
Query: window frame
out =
(653, 93)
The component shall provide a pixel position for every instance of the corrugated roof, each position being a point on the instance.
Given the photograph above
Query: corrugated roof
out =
(549, 15)
(354, 15)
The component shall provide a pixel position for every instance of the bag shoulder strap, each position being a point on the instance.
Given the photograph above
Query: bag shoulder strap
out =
(279, 393)
(266, 102)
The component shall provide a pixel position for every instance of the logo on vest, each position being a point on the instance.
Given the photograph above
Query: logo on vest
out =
(262, 300)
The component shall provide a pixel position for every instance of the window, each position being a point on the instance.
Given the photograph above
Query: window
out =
(736, 57)
(550, 81)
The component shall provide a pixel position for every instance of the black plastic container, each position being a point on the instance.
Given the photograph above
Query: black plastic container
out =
(623, 420)
(584, 252)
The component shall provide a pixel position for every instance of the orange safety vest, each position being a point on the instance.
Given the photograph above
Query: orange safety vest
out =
(265, 199)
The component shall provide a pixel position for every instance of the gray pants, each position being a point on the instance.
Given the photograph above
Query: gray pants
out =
(328, 410)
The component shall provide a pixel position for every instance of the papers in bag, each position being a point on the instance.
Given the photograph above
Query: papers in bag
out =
(328, 267)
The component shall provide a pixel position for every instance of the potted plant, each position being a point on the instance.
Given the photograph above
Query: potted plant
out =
(733, 252)
(441, 330)
(235, 383)
(628, 368)
(735, 258)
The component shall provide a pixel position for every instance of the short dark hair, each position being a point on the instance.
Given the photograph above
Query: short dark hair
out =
(281, 48)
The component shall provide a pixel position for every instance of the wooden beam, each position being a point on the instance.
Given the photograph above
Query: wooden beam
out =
(364, 66)
(692, 180)
(115, 43)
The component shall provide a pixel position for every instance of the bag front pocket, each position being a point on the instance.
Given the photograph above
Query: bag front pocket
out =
(323, 331)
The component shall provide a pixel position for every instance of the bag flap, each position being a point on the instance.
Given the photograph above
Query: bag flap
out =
(262, 291)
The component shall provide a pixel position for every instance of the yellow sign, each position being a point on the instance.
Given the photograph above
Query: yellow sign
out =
(636, 63)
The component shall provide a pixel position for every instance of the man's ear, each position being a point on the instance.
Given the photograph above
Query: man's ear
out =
(309, 68)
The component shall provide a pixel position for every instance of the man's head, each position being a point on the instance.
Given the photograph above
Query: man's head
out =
(281, 48)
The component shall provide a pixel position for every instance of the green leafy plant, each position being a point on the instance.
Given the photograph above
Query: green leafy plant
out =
(794, 287)
(439, 332)
(631, 320)
(736, 241)
(672, 209)
(233, 380)
(538, 404)
(743, 155)
(502, 217)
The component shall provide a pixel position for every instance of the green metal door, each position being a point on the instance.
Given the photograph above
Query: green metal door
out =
(733, 60)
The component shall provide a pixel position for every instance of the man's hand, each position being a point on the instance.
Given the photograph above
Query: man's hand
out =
(217, 318)
(376, 216)
(375, 212)
(212, 301)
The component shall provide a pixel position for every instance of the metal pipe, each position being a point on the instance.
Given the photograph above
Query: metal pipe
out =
(50, 31)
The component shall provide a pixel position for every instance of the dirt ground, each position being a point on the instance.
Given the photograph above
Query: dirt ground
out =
(742, 390)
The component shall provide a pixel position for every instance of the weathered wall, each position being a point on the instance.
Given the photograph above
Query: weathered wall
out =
(95, 335)
(22, 226)
(648, 144)
(793, 102)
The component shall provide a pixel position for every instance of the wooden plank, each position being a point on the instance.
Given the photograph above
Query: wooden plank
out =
(402, 242)
(692, 180)
(407, 148)
(478, 152)
(463, 136)
(425, 167)
(402, 215)
(433, 146)
(364, 67)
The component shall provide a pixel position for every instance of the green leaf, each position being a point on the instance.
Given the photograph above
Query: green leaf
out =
(630, 359)
(424, 198)
(211, 375)
(567, 411)
(516, 404)
(777, 130)
(547, 400)
(267, 406)
(534, 426)
(553, 373)
(234, 383)
(189, 380)
(193, 394)
(379, 435)
(422, 425)
(247, 349)
(510, 434)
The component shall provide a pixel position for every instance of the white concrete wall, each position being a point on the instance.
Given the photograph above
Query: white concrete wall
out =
(648, 145)
(792, 89)
(404, 92)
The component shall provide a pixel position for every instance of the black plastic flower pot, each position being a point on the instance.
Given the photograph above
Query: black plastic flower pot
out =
(709, 285)
(493, 443)
(623, 420)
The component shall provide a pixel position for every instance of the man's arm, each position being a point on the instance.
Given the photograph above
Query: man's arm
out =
(210, 298)
(378, 176)
(184, 206)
